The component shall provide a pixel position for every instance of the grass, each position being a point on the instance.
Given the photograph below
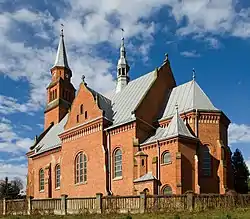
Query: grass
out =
(233, 214)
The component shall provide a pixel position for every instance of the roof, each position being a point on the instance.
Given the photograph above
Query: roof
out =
(188, 96)
(126, 101)
(176, 128)
(51, 139)
(61, 56)
(146, 177)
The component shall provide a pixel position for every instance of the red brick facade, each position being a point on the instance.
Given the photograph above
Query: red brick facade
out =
(87, 131)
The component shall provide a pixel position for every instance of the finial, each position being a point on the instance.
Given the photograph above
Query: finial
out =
(176, 107)
(166, 57)
(62, 26)
(122, 33)
(193, 74)
(83, 79)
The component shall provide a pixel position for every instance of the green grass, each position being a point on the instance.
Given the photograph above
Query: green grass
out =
(233, 214)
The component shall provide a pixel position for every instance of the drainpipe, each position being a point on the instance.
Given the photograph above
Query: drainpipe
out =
(109, 162)
(196, 123)
(158, 166)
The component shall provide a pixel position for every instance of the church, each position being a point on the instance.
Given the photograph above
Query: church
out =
(148, 134)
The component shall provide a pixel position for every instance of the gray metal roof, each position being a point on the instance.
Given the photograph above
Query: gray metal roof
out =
(51, 139)
(176, 128)
(126, 101)
(61, 56)
(146, 177)
(188, 96)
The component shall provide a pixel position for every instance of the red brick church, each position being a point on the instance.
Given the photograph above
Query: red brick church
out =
(147, 134)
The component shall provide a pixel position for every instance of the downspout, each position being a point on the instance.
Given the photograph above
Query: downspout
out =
(158, 167)
(109, 163)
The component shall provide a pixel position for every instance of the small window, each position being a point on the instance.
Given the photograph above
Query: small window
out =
(41, 180)
(166, 157)
(123, 71)
(55, 93)
(81, 168)
(206, 167)
(58, 175)
(118, 163)
(81, 109)
(142, 162)
(77, 118)
(167, 190)
(86, 114)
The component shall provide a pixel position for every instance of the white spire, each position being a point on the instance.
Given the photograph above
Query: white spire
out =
(122, 68)
(61, 56)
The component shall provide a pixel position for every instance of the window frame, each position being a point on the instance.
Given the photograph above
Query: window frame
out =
(206, 166)
(165, 187)
(164, 153)
(41, 180)
(57, 178)
(81, 168)
(117, 173)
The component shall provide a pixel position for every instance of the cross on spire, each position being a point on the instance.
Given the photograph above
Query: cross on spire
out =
(122, 33)
(62, 26)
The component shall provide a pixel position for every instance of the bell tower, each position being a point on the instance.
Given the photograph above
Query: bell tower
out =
(60, 92)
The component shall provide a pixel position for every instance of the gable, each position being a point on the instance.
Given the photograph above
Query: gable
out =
(84, 108)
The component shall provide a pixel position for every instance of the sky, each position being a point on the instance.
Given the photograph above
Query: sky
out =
(211, 36)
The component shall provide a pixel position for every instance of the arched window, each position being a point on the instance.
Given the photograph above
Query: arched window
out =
(41, 180)
(166, 157)
(81, 168)
(167, 190)
(86, 114)
(81, 109)
(58, 175)
(206, 167)
(146, 190)
(77, 118)
(55, 93)
(118, 163)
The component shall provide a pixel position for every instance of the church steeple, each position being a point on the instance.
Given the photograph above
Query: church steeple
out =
(122, 69)
(61, 67)
(60, 92)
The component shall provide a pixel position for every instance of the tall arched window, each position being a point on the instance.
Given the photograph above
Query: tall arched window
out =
(206, 167)
(166, 157)
(118, 163)
(58, 175)
(81, 109)
(41, 180)
(167, 190)
(81, 168)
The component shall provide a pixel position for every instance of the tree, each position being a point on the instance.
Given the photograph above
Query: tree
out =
(10, 189)
(241, 172)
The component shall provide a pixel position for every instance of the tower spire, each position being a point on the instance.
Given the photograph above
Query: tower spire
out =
(61, 56)
(122, 67)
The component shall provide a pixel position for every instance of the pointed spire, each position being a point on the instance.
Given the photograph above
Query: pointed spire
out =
(61, 56)
(122, 67)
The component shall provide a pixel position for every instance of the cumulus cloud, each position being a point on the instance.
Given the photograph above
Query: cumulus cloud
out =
(239, 133)
(10, 141)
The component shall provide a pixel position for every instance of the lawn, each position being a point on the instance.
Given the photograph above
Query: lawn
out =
(234, 214)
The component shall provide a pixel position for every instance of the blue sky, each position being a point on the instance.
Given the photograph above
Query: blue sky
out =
(211, 36)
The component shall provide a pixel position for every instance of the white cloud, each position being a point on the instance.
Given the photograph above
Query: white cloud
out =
(190, 54)
(11, 171)
(239, 133)
(10, 141)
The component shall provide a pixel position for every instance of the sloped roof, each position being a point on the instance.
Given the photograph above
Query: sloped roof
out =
(188, 96)
(146, 177)
(51, 139)
(125, 102)
(176, 128)
(61, 56)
